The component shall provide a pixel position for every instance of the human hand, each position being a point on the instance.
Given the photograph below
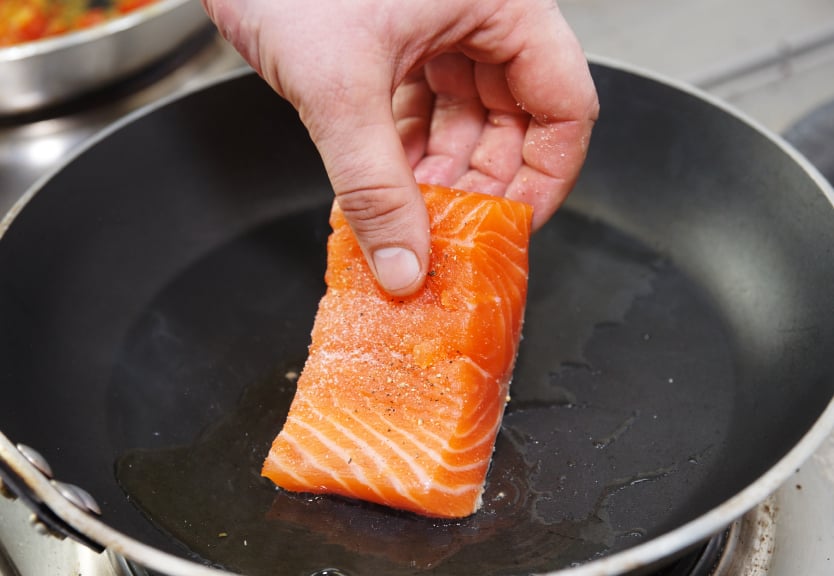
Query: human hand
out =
(484, 95)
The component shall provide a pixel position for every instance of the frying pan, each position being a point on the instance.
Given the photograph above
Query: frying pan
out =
(157, 293)
(47, 72)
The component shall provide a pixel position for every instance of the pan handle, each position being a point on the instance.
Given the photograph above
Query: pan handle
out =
(19, 466)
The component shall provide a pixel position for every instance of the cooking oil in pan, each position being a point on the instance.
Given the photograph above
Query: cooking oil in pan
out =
(621, 398)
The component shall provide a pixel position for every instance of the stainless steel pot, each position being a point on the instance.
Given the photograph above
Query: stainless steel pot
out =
(38, 74)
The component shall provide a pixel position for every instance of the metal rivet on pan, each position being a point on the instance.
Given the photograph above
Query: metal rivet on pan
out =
(5, 491)
(78, 496)
(36, 459)
(36, 523)
(43, 529)
(89, 502)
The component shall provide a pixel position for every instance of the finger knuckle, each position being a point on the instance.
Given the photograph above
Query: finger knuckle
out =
(372, 209)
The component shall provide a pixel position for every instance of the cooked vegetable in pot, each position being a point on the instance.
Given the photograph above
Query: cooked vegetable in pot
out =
(28, 20)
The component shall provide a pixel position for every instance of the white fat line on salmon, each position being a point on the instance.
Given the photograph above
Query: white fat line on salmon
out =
(427, 484)
(511, 236)
(418, 471)
(453, 206)
(505, 299)
(289, 470)
(457, 490)
(518, 221)
(502, 262)
(365, 449)
(476, 214)
(433, 455)
(479, 233)
(504, 302)
(313, 463)
(488, 436)
(485, 375)
(345, 456)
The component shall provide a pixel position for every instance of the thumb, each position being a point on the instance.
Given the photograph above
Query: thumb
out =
(375, 188)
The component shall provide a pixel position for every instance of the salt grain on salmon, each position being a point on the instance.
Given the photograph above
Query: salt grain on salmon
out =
(367, 421)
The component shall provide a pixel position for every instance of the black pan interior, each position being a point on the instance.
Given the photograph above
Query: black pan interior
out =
(156, 298)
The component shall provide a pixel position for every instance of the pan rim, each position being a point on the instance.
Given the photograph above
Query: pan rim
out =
(824, 185)
(638, 556)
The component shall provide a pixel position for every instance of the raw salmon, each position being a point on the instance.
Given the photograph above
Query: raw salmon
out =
(400, 399)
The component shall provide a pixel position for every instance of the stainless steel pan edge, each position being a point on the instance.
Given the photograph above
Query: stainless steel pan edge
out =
(635, 558)
(38, 74)
(94, 529)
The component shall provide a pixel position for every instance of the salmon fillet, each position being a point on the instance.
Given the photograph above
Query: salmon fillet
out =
(400, 399)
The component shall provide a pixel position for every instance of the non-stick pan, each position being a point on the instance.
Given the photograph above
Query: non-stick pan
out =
(157, 293)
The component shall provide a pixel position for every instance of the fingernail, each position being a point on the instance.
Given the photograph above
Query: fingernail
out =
(396, 268)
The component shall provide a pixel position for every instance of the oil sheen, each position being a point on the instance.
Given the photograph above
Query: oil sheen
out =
(603, 443)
